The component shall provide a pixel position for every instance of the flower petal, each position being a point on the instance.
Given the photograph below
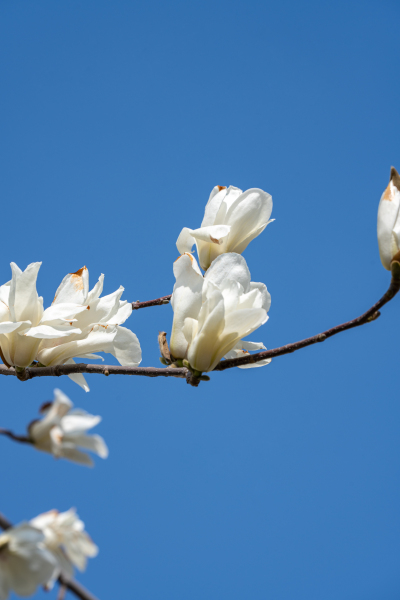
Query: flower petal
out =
(73, 288)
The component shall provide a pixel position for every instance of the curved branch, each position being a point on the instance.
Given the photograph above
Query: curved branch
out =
(156, 302)
(73, 586)
(371, 314)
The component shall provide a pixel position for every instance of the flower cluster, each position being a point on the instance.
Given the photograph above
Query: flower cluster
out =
(77, 323)
(214, 312)
(36, 553)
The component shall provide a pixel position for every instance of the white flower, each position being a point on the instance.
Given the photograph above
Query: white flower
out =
(99, 325)
(77, 324)
(389, 220)
(65, 536)
(213, 313)
(231, 220)
(23, 323)
(63, 430)
(25, 562)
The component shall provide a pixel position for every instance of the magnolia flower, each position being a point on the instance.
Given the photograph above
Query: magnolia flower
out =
(77, 324)
(25, 562)
(213, 313)
(389, 220)
(231, 220)
(65, 536)
(24, 323)
(63, 430)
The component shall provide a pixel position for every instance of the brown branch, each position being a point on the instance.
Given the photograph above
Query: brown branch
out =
(156, 302)
(73, 586)
(17, 438)
(57, 370)
(371, 314)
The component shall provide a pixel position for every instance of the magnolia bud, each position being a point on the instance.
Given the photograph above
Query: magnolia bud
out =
(389, 220)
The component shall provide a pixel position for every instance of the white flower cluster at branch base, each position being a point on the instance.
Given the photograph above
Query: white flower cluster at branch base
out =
(213, 313)
(77, 323)
(62, 431)
(36, 553)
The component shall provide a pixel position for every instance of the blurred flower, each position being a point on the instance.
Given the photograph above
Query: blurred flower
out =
(231, 220)
(77, 324)
(213, 313)
(62, 431)
(389, 220)
(25, 562)
(65, 536)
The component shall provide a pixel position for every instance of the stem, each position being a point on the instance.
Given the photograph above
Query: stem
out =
(156, 302)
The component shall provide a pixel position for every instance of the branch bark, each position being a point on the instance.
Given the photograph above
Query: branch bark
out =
(73, 586)
(156, 302)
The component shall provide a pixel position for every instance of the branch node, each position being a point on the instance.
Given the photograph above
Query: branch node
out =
(106, 372)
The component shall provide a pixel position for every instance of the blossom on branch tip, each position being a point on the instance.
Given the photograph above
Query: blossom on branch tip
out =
(213, 313)
(63, 430)
(25, 561)
(389, 220)
(65, 536)
(232, 219)
(77, 324)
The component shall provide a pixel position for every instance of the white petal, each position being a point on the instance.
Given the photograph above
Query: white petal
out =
(24, 302)
(95, 443)
(73, 288)
(229, 266)
(185, 241)
(388, 214)
(48, 332)
(62, 311)
(96, 291)
(185, 301)
(77, 377)
(77, 422)
(217, 196)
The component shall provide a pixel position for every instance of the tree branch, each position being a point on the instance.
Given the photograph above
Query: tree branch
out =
(371, 314)
(58, 370)
(73, 586)
(156, 302)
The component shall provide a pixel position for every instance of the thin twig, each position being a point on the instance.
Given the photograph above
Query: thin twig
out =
(73, 586)
(156, 302)
(17, 438)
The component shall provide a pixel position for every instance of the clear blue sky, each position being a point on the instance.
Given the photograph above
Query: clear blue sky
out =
(117, 119)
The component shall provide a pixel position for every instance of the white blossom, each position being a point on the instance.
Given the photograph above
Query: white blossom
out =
(77, 324)
(65, 536)
(232, 219)
(25, 561)
(213, 313)
(24, 323)
(62, 431)
(389, 220)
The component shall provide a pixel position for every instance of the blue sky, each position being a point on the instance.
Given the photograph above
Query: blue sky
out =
(117, 119)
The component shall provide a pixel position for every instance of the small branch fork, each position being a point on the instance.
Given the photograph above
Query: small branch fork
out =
(72, 585)
(183, 373)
